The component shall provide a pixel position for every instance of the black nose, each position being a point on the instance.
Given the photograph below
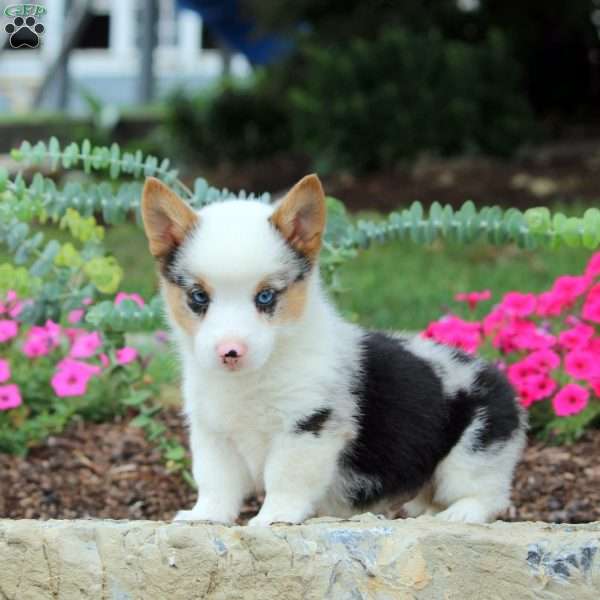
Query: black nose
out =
(231, 354)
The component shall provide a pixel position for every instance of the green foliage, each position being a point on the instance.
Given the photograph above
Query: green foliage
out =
(367, 104)
(234, 123)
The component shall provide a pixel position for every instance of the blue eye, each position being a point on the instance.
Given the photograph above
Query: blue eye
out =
(265, 298)
(199, 298)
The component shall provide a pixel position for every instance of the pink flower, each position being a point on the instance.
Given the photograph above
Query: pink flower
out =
(518, 304)
(570, 400)
(593, 266)
(73, 333)
(493, 322)
(543, 360)
(75, 315)
(526, 395)
(4, 370)
(10, 396)
(473, 298)
(576, 337)
(71, 377)
(87, 301)
(591, 310)
(37, 343)
(571, 286)
(126, 355)
(453, 331)
(551, 304)
(78, 365)
(124, 296)
(581, 364)
(12, 306)
(52, 331)
(535, 388)
(8, 330)
(520, 372)
(104, 360)
(86, 345)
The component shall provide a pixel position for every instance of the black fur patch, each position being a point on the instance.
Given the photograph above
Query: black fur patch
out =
(168, 265)
(303, 262)
(313, 423)
(494, 393)
(407, 425)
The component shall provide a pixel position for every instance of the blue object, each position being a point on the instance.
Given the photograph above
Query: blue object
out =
(239, 32)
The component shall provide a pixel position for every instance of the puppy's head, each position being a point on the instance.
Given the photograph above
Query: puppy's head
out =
(235, 274)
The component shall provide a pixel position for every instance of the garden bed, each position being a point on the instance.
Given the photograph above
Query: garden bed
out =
(110, 471)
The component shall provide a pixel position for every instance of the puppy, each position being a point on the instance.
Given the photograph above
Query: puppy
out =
(283, 396)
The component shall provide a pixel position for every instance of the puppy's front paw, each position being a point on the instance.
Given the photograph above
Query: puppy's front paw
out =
(207, 510)
(270, 514)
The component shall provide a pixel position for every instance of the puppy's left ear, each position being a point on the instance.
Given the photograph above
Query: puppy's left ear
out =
(300, 216)
(167, 218)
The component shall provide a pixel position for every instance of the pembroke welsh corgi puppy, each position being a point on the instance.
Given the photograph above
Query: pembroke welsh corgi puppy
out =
(283, 396)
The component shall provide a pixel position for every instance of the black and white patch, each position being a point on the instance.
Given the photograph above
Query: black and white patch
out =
(409, 420)
(314, 423)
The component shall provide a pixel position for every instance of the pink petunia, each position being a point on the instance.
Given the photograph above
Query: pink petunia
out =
(104, 360)
(551, 304)
(518, 304)
(473, 298)
(126, 355)
(8, 330)
(68, 363)
(570, 286)
(86, 345)
(10, 396)
(576, 337)
(125, 296)
(591, 310)
(53, 331)
(543, 360)
(581, 364)
(520, 372)
(4, 370)
(72, 377)
(593, 266)
(75, 315)
(570, 400)
(37, 343)
(456, 332)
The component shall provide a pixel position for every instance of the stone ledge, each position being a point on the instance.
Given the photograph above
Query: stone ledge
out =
(365, 557)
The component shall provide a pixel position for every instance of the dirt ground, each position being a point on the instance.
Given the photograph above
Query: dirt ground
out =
(110, 471)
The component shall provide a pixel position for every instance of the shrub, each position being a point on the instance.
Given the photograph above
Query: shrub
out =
(368, 104)
(48, 285)
(234, 123)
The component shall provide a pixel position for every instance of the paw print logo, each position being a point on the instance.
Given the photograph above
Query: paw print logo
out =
(24, 32)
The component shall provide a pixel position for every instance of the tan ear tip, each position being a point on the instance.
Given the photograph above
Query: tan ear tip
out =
(313, 182)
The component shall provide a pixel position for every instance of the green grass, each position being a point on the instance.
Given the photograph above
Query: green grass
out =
(405, 286)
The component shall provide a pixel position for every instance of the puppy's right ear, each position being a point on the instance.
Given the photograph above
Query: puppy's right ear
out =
(167, 218)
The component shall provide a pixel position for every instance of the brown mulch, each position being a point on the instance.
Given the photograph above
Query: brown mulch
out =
(109, 470)
(566, 171)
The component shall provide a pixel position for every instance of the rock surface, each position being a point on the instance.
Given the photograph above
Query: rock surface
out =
(365, 557)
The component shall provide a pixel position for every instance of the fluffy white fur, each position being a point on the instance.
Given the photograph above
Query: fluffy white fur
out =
(242, 423)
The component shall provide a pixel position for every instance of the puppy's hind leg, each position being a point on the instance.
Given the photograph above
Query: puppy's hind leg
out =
(473, 483)
(421, 504)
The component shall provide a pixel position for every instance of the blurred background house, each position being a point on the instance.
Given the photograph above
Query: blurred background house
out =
(106, 40)
(436, 100)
